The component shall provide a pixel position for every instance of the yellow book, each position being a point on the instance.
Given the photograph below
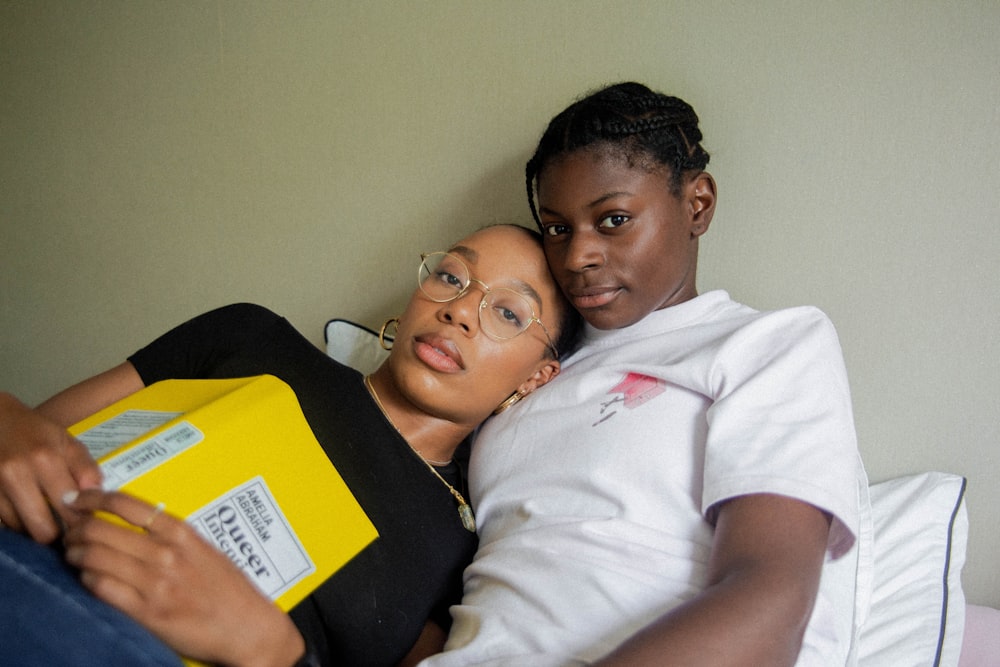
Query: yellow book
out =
(236, 459)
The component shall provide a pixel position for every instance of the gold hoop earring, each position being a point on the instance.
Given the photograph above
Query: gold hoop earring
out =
(509, 401)
(381, 333)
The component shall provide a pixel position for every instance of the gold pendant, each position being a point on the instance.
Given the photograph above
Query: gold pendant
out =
(468, 518)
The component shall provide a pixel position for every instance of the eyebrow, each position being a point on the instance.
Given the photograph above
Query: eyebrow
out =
(517, 285)
(530, 291)
(597, 202)
(465, 252)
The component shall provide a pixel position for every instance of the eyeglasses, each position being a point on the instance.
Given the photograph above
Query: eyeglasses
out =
(503, 313)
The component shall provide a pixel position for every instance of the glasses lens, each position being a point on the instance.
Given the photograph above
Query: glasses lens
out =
(442, 276)
(505, 313)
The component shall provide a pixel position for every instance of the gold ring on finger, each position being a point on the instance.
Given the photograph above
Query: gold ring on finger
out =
(157, 511)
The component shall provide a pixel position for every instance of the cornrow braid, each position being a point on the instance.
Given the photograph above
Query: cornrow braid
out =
(645, 125)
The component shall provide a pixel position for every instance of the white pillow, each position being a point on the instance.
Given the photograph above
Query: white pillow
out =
(917, 613)
(354, 345)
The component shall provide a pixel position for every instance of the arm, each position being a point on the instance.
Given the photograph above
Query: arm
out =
(84, 399)
(430, 642)
(764, 573)
(176, 584)
(40, 461)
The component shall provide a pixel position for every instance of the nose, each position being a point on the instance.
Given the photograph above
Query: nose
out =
(583, 252)
(463, 312)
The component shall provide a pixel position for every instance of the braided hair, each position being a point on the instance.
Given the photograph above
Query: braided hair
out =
(644, 125)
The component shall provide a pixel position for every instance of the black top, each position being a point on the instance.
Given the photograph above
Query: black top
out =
(372, 610)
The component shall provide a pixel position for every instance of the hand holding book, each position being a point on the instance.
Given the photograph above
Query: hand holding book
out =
(158, 570)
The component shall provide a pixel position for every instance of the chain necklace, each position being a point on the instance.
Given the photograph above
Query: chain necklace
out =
(464, 509)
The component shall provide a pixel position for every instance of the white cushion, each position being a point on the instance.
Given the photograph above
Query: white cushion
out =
(354, 345)
(917, 613)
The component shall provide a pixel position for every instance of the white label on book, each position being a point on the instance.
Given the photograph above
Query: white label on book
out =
(247, 525)
(134, 461)
(130, 425)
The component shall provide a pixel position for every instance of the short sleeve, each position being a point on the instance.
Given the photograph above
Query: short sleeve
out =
(782, 421)
(196, 347)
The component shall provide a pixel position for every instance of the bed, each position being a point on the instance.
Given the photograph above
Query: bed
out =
(913, 609)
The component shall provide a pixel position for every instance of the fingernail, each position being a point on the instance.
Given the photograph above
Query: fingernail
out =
(70, 497)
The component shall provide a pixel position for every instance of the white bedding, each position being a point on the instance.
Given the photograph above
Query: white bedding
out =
(917, 612)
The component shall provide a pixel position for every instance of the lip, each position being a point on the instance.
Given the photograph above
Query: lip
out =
(439, 353)
(587, 298)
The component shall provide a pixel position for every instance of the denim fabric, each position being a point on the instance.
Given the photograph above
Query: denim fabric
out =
(48, 618)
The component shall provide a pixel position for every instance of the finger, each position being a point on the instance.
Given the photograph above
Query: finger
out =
(110, 561)
(8, 517)
(73, 471)
(56, 481)
(82, 466)
(124, 596)
(34, 470)
(26, 506)
(108, 531)
(130, 509)
(138, 572)
(111, 554)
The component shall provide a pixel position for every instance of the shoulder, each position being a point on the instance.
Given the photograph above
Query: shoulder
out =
(198, 346)
(786, 328)
(792, 353)
(238, 321)
(240, 313)
(725, 329)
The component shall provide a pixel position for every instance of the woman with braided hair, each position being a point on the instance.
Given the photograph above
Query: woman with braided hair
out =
(688, 491)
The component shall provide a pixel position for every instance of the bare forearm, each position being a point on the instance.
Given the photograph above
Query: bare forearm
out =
(763, 578)
(85, 398)
(737, 622)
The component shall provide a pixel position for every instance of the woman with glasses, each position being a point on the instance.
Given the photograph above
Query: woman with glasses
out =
(484, 329)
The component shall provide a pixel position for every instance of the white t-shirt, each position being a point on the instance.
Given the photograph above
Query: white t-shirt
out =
(595, 496)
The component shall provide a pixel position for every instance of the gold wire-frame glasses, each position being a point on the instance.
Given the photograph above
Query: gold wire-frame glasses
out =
(504, 313)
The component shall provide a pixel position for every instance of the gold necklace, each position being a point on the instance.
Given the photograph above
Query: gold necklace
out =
(464, 509)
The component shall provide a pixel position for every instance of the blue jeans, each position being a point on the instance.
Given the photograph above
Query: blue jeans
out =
(48, 618)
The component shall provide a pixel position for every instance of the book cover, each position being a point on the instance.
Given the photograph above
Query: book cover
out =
(237, 459)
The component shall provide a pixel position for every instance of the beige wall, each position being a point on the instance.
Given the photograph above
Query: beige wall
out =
(161, 158)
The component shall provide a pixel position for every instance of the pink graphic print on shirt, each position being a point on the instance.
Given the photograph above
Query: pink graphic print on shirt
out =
(635, 390)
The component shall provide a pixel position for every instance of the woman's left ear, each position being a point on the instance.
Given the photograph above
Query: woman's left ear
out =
(540, 378)
(701, 202)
